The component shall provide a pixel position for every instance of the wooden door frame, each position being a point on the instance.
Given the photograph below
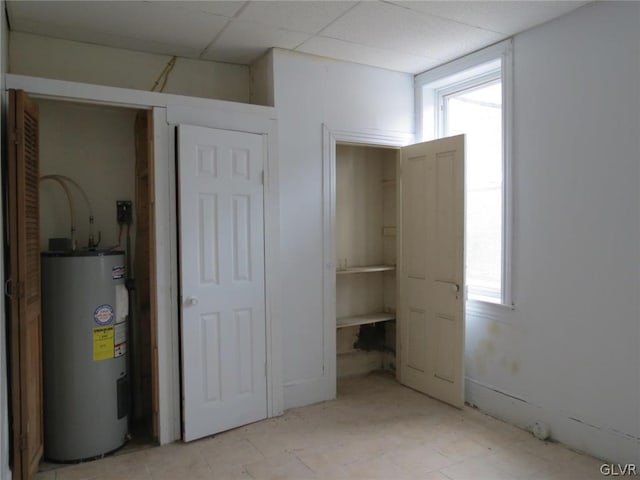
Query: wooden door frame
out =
(170, 110)
(330, 138)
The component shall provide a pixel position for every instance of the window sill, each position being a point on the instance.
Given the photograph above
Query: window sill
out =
(483, 305)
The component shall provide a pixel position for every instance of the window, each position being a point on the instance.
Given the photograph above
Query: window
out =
(470, 96)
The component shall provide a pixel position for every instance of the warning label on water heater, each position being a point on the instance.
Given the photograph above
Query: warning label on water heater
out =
(120, 340)
(118, 272)
(103, 314)
(103, 343)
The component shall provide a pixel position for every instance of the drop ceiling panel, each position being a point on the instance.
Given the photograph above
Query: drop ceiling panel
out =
(377, 57)
(503, 17)
(243, 42)
(308, 16)
(175, 31)
(392, 27)
(395, 34)
(226, 9)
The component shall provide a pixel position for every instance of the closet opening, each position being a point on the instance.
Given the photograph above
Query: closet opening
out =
(366, 257)
(99, 371)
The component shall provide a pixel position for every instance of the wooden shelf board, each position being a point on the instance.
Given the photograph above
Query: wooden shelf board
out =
(366, 269)
(364, 319)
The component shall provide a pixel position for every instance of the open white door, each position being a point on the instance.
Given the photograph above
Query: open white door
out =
(222, 279)
(431, 270)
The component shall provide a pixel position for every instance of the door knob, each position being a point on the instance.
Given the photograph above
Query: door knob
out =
(192, 301)
(453, 286)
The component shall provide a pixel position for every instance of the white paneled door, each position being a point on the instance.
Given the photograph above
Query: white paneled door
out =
(222, 279)
(432, 268)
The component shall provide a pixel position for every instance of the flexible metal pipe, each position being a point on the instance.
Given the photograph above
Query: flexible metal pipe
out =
(72, 214)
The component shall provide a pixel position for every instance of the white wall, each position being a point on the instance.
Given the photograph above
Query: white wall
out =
(310, 91)
(262, 80)
(570, 350)
(94, 146)
(83, 62)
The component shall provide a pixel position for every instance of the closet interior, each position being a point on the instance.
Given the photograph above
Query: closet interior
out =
(366, 252)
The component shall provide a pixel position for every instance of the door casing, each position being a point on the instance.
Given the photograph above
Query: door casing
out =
(330, 139)
(222, 300)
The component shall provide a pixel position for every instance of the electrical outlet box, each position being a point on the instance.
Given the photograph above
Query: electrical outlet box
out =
(124, 212)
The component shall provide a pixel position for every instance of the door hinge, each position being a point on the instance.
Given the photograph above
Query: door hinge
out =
(23, 441)
(265, 369)
(262, 178)
(17, 136)
(8, 288)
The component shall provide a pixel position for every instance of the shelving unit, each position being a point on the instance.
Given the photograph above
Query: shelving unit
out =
(364, 319)
(366, 241)
(366, 269)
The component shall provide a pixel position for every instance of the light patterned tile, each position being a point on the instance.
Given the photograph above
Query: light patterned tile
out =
(494, 441)
(280, 467)
(172, 454)
(321, 464)
(322, 438)
(193, 472)
(519, 463)
(432, 476)
(376, 429)
(81, 471)
(419, 460)
(128, 475)
(176, 458)
(346, 453)
(463, 448)
(376, 468)
(582, 466)
(271, 445)
(226, 472)
(230, 453)
(551, 451)
(475, 469)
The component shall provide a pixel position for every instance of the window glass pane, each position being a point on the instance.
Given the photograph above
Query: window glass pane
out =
(477, 112)
(484, 241)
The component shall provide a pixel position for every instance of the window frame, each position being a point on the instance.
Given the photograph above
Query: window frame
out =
(432, 86)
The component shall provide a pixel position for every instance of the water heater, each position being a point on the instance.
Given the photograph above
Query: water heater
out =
(84, 340)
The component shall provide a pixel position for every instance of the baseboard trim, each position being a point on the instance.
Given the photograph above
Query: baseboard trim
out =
(607, 444)
(299, 393)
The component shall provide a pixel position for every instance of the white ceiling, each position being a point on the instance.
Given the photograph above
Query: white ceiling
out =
(408, 36)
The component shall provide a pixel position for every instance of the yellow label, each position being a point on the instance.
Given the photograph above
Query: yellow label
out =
(103, 343)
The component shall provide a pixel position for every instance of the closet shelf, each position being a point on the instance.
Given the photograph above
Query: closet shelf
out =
(364, 319)
(366, 269)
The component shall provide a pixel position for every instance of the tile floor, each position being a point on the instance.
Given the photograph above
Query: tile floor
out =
(376, 429)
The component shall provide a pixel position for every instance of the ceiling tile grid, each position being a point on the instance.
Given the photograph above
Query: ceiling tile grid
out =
(156, 27)
(366, 55)
(244, 42)
(302, 16)
(389, 26)
(408, 36)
